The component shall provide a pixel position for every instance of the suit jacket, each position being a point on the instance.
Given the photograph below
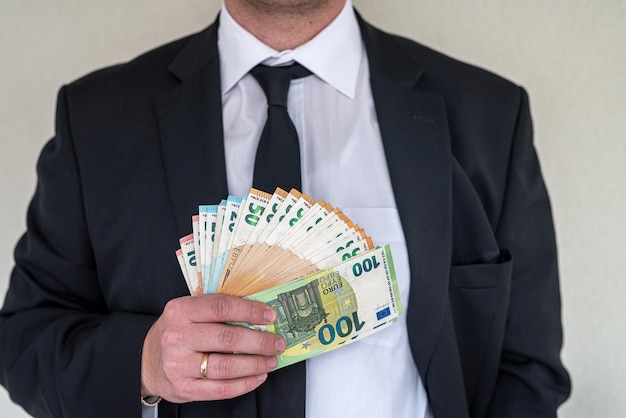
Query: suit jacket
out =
(138, 146)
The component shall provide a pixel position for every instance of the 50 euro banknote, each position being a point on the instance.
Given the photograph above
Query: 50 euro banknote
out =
(334, 307)
(244, 245)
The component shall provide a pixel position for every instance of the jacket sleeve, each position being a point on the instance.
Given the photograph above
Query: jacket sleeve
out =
(63, 352)
(531, 381)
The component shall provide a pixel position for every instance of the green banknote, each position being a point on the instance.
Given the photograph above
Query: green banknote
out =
(334, 307)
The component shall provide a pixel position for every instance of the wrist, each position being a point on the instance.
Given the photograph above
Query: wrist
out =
(147, 390)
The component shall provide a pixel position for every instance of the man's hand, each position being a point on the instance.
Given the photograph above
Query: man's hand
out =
(192, 326)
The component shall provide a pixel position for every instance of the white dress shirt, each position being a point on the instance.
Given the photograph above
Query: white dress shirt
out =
(343, 163)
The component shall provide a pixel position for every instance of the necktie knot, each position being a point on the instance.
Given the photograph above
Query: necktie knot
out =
(275, 81)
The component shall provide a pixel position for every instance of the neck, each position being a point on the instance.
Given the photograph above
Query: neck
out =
(284, 24)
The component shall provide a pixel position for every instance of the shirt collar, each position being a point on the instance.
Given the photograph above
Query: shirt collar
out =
(334, 55)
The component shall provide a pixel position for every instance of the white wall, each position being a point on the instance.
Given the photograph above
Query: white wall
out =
(569, 54)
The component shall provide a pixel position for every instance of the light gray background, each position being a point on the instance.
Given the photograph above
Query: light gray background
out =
(569, 54)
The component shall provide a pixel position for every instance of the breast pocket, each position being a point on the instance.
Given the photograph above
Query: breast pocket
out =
(479, 298)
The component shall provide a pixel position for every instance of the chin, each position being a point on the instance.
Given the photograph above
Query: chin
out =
(291, 6)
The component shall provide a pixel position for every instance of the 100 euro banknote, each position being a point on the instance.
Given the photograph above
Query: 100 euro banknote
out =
(334, 307)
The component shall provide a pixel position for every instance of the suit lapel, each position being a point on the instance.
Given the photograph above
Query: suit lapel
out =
(416, 140)
(192, 140)
(190, 127)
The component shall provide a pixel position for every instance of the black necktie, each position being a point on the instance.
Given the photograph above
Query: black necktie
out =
(278, 154)
(278, 165)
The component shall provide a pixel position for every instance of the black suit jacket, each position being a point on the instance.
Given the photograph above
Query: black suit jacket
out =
(137, 148)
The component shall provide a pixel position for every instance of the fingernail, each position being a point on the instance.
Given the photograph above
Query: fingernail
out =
(269, 315)
(280, 345)
(262, 377)
(272, 362)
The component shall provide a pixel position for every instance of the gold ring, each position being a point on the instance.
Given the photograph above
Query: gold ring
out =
(203, 365)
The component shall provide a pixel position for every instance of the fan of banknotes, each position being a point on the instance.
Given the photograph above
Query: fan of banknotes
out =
(322, 274)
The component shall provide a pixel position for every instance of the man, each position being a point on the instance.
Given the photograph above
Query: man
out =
(95, 313)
